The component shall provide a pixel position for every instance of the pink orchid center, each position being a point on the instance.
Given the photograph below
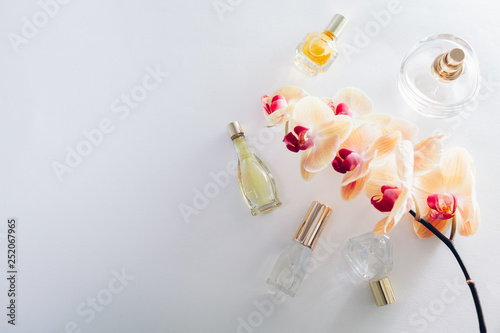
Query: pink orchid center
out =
(302, 133)
(442, 205)
(346, 160)
(298, 140)
(278, 102)
(385, 202)
(341, 109)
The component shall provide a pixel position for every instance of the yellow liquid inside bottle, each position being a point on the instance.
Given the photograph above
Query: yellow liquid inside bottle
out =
(256, 183)
(317, 49)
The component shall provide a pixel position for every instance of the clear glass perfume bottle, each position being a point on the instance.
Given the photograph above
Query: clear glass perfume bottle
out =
(370, 257)
(439, 77)
(318, 50)
(291, 266)
(256, 183)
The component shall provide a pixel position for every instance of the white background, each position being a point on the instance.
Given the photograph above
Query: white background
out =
(118, 211)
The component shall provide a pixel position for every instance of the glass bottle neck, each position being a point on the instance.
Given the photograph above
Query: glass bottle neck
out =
(242, 147)
(329, 35)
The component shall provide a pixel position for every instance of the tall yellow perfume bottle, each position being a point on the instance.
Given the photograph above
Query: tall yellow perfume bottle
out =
(256, 183)
(318, 50)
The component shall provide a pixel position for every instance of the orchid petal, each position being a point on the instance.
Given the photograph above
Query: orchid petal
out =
(279, 116)
(378, 120)
(361, 171)
(300, 130)
(277, 109)
(326, 100)
(400, 206)
(342, 127)
(425, 185)
(455, 165)
(342, 108)
(466, 206)
(385, 175)
(322, 153)
(404, 158)
(301, 143)
(278, 102)
(385, 144)
(291, 142)
(292, 94)
(353, 189)
(425, 142)
(360, 139)
(408, 129)
(385, 202)
(265, 103)
(346, 160)
(436, 200)
(359, 103)
(422, 232)
(427, 155)
(429, 183)
(443, 205)
(383, 226)
(311, 112)
(306, 175)
(469, 226)
(410, 203)
(466, 189)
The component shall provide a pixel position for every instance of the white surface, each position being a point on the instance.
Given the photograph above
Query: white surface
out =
(119, 208)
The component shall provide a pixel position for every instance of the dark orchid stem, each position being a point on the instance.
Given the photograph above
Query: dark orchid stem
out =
(470, 283)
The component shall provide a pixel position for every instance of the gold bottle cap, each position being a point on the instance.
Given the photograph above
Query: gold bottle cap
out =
(337, 25)
(313, 224)
(449, 66)
(382, 292)
(234, 130)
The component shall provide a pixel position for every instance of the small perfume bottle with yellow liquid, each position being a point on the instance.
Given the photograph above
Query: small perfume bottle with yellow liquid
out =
(316, 53)
(256, 183)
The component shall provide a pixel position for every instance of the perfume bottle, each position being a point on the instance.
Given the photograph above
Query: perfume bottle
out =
(440, 77)
(291, 266)
(318, 50)
(256, 183)
(370, 257)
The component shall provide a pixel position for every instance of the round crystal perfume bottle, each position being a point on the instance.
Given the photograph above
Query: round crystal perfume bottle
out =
(370, 257)
(439, 76)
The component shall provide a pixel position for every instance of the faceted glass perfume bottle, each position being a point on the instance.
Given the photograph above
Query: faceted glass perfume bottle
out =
(256, 183)
(291, 266)
(318, 50)
(370, 257)
(440, 77)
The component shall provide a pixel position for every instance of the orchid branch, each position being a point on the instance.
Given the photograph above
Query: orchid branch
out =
(470, 282)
